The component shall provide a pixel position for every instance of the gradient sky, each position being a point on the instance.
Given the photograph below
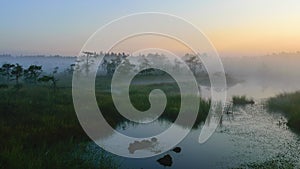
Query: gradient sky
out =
(235, 27)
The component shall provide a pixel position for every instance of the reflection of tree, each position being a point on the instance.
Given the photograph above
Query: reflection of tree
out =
(144, 144)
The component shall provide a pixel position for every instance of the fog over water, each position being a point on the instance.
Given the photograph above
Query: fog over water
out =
(264, 76)
(258, 76)
(249, 134)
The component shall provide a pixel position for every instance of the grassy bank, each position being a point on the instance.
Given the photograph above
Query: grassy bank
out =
(242, 100)
(39, 127)
(288, 104)
(139, 97)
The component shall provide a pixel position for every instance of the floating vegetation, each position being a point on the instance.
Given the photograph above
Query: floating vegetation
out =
(278, 162)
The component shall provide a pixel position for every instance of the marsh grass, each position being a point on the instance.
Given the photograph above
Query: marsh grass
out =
(242, 100)
(289, 105)
(39, 127)
(139, 97)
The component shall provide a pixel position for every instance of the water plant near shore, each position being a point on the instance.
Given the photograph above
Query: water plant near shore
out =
(242, 100)
(288, 105)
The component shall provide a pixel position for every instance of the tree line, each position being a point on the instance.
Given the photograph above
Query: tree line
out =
(112, 60)
(15, 73)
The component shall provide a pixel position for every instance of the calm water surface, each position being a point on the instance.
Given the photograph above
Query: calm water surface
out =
(250, 134)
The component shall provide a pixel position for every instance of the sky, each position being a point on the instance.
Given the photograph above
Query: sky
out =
(235, 27)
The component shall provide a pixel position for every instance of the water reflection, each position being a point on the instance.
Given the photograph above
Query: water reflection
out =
(144, 145)
(246, 134)
(249, 134)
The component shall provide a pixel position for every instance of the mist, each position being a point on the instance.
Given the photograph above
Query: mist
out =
(267, 75)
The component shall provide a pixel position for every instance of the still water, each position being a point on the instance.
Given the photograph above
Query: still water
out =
(250, 134)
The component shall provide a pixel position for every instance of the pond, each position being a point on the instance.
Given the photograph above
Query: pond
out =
(249, 134)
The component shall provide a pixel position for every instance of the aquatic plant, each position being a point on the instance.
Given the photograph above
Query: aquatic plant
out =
(242, 100)
(277, 162)
(288, 105)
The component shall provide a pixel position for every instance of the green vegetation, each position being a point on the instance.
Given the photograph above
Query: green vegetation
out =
(139, 94)
(39, 127)
(241, 100)
(288, 104)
